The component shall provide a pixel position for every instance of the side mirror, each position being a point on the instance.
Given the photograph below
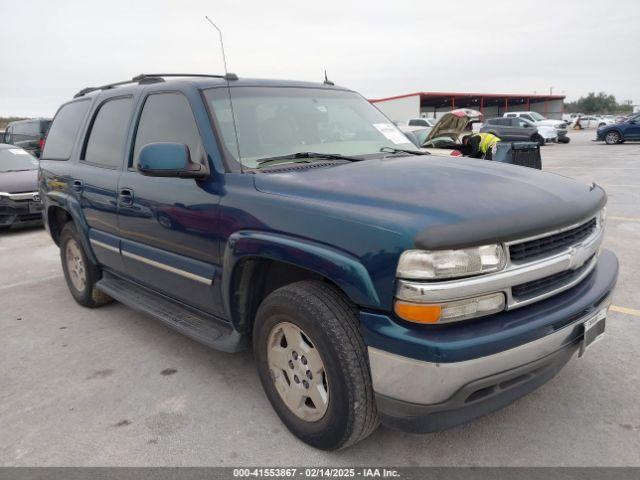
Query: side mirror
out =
(169, 160)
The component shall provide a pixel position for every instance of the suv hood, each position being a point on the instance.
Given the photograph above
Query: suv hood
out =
(440, 202)
(455, 122)
(17, 182)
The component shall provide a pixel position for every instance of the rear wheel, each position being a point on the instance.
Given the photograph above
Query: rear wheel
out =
(539, 139)
(612, 138)
(81, 275)
(313, 365)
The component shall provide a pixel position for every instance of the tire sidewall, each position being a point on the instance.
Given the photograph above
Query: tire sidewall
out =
(84, 297)
(332, 427)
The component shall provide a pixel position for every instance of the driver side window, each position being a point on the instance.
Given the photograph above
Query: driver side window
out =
(167, 117)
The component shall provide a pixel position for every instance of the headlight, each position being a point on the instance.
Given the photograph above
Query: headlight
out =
(439, 264)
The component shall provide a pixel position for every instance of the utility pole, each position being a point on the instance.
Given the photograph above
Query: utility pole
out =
(550, 90)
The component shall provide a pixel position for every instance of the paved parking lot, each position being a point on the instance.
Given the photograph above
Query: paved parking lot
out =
(113, 387)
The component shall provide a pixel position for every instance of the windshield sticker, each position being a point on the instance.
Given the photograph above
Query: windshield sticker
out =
(391, 132)
(17, 151)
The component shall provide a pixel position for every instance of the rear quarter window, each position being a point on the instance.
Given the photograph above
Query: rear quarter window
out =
(64, 130)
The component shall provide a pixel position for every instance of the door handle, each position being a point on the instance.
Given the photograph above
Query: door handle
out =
(77, 185)
(126, 196)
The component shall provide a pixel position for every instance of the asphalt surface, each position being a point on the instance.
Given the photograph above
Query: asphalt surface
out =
(113, 387)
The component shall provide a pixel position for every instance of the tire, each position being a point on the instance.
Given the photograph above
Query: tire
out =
(539, 139)
(564, 140)
(601, 125)
(166, 221)
(612, 138)
(81, 275)
(324, 325)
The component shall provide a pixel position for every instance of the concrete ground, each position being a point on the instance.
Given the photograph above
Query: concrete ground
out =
(113, 387)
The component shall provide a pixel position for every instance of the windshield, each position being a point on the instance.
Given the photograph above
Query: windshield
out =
(15, 159)
(536, 116)
(274, 121)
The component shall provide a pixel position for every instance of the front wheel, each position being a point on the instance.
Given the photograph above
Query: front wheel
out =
(313, 365)
(81, 275)
(612, 138)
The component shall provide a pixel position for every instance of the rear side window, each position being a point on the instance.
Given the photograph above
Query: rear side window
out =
(167, 117)
(510, 115)
(44, 127)
(29, 129)
(64, 129)
(105, 145)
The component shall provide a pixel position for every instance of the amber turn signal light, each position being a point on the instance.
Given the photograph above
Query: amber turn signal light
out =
(418, 313)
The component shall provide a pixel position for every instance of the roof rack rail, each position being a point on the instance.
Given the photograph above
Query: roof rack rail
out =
(148, 78)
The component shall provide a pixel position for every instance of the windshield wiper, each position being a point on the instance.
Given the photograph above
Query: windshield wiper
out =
(20, 170)
(402, 150)
(306, 156)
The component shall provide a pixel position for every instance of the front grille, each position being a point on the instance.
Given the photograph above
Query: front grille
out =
(545, 246)
(548, 284)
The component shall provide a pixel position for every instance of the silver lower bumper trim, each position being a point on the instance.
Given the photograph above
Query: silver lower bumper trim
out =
(428, 383)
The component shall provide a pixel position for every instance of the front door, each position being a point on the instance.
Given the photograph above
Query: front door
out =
(169, 226)
(632, 132)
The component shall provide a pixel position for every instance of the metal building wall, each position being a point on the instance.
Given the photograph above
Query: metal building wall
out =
(400, 109)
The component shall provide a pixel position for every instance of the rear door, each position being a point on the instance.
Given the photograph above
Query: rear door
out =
(97, 173)
(170, 226)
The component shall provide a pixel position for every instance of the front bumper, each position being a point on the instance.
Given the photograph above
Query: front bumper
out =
(483, 368)
(22, 209)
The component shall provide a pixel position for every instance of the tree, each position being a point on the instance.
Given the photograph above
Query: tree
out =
(598, 103)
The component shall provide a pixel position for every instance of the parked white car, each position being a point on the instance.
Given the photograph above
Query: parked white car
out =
(421, 122)
(540, 120)
(592, 121)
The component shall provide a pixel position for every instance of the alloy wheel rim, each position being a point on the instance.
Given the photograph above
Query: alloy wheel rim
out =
(298, 372)
(75, 266)
(612, 137)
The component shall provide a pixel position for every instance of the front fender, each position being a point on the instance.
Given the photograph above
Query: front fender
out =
(338, 266)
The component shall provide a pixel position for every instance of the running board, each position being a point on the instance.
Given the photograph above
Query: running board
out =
(202, 328)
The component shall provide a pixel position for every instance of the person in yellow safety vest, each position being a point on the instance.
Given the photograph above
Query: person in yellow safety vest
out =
(479, 145)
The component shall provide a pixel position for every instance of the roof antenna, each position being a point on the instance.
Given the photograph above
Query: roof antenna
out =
(228, 76)
(326, 80)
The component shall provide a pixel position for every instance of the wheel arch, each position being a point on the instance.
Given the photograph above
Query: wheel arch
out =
(60, 209)
(614, 130)
(256, 263)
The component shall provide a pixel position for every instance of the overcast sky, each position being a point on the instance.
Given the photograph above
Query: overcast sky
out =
(53, 48)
